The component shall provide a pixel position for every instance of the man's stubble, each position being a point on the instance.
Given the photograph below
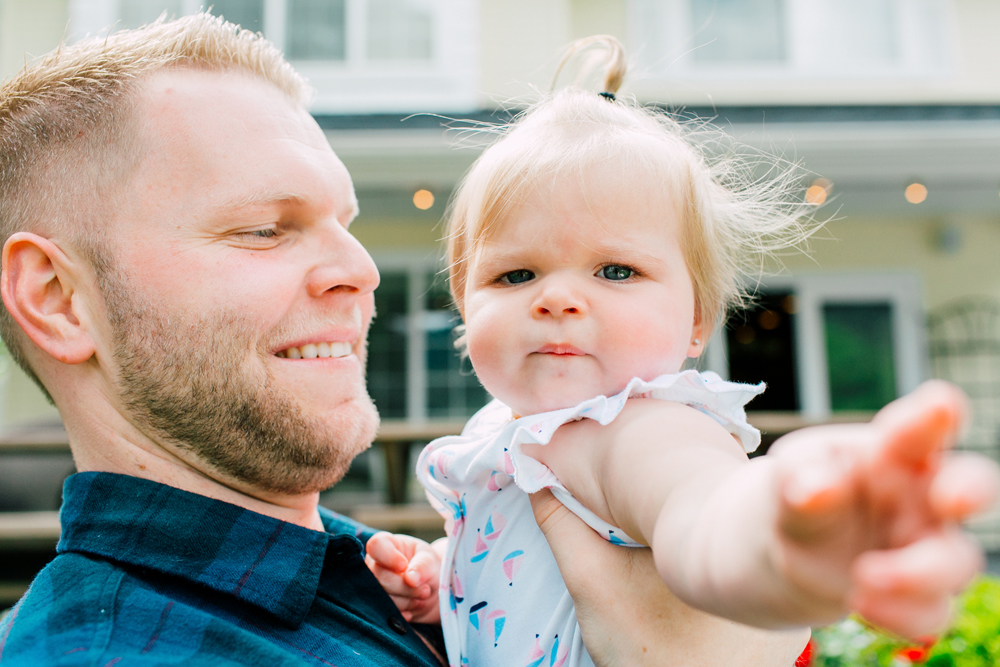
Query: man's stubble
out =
(193, 381)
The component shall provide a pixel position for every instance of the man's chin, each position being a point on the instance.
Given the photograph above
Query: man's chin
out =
(351, 428)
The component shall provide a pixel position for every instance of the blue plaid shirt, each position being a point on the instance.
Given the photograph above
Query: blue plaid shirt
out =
(147, 574)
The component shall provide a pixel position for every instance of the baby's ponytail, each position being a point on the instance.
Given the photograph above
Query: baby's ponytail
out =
(613, 60)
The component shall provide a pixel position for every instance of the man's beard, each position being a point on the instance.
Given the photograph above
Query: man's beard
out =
(192, 382)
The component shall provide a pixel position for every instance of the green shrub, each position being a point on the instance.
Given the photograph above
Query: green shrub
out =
(972, 641)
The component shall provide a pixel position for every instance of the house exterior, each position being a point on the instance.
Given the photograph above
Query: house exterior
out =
(893, 107)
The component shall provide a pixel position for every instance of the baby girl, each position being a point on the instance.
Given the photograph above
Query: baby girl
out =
(592, 249)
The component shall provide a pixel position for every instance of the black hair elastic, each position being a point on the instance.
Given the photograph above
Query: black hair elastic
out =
(608, 96)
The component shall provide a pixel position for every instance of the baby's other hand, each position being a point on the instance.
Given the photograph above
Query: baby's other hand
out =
(408, 569)
(869, 513)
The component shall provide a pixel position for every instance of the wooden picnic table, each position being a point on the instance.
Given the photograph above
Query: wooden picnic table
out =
(395, 438)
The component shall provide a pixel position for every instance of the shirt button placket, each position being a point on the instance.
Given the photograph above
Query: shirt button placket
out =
(397, 624)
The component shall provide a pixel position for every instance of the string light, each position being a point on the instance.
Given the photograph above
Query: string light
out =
(817, 192)
(423, 199)
(915, 193)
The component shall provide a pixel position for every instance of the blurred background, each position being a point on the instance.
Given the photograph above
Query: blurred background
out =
(893, 107)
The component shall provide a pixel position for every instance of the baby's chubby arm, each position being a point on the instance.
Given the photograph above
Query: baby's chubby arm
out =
(834, 518)
(409, 570)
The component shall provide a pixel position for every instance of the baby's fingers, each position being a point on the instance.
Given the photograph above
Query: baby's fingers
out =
(907, 615)
(817, 484)
(924, 422)
(909, 590)
(943, 563)
(966, 485)
(396, 586)
(382, 549)
(423, 569)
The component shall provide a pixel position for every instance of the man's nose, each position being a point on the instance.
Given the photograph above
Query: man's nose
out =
(346, 267)
(559, 298)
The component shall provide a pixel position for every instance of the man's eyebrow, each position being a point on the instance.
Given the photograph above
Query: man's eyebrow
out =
(280, 199)
(260, 201)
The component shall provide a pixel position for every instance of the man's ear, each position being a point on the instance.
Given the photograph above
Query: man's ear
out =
(38, 283)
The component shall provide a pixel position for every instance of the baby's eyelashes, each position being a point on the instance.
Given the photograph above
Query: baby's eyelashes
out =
(516, 277)
(617, 272)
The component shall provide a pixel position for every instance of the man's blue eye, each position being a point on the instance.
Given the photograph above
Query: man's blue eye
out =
(616, 272)
(519, 276)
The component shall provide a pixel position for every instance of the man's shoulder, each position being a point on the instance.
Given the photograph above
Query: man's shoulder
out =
(61, 613)
(84, 610)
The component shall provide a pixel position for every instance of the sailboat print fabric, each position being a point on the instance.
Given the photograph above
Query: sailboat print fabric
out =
(503, 602)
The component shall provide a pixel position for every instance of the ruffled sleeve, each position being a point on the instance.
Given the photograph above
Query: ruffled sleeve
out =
(707, 392)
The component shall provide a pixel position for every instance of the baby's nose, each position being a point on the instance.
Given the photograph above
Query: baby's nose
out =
(559, 300)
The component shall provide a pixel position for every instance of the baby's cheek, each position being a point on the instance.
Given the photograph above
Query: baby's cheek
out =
(487, 356)
(644, 351)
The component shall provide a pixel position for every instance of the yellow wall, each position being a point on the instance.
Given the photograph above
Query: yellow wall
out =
(913, 244)
(29, 28)
(396, 235)
(521, 41)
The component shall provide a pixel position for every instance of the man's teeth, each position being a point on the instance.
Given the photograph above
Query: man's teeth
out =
(319, 350)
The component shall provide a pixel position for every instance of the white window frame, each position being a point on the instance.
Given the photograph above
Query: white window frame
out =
(902, 290)
(918, 57)
(447, 82)
(416, 267)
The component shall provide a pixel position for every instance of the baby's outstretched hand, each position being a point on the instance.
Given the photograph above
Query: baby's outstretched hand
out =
(408, 569)
(873, 510)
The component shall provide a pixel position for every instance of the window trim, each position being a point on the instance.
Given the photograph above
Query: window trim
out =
(902, 290)
(917, 55)
(416, 266)
(446, 83)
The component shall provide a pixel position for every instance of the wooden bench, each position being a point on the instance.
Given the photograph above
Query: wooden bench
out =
(33, 529)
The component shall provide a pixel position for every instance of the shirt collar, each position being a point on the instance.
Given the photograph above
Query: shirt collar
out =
(271, 564)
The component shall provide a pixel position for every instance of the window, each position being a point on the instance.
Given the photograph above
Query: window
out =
(826, 342)
(791, 38)
(414, 370)
(760, 347)
(738, 30)
(363, 56)
(859, 355)
(316, 30)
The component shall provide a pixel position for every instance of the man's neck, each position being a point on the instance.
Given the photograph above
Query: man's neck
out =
(99, 447)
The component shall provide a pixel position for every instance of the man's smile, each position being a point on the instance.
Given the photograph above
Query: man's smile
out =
(322, 350)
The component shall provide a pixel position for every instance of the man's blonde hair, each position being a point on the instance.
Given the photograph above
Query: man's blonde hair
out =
(69, 135)
(737, 206)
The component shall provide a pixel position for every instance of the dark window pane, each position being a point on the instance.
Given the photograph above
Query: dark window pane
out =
(727, 31)
(859, 355)
(761, 346)
(245, 13)
(453, 390)
(316, 30)
(387, 347)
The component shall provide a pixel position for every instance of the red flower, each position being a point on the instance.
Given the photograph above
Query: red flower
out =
(805, 658)
(914, 653)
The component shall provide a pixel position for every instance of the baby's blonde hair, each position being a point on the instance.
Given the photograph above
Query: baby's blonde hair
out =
(69, 133)
(737, 206)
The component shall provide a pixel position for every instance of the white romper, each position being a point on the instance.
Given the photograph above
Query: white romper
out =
(503, 602)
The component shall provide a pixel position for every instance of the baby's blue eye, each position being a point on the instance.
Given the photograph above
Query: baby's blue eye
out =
(264, 233)
(616, 272)
(516, 277)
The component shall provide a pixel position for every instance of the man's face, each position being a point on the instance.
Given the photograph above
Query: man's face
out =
(231, 258)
